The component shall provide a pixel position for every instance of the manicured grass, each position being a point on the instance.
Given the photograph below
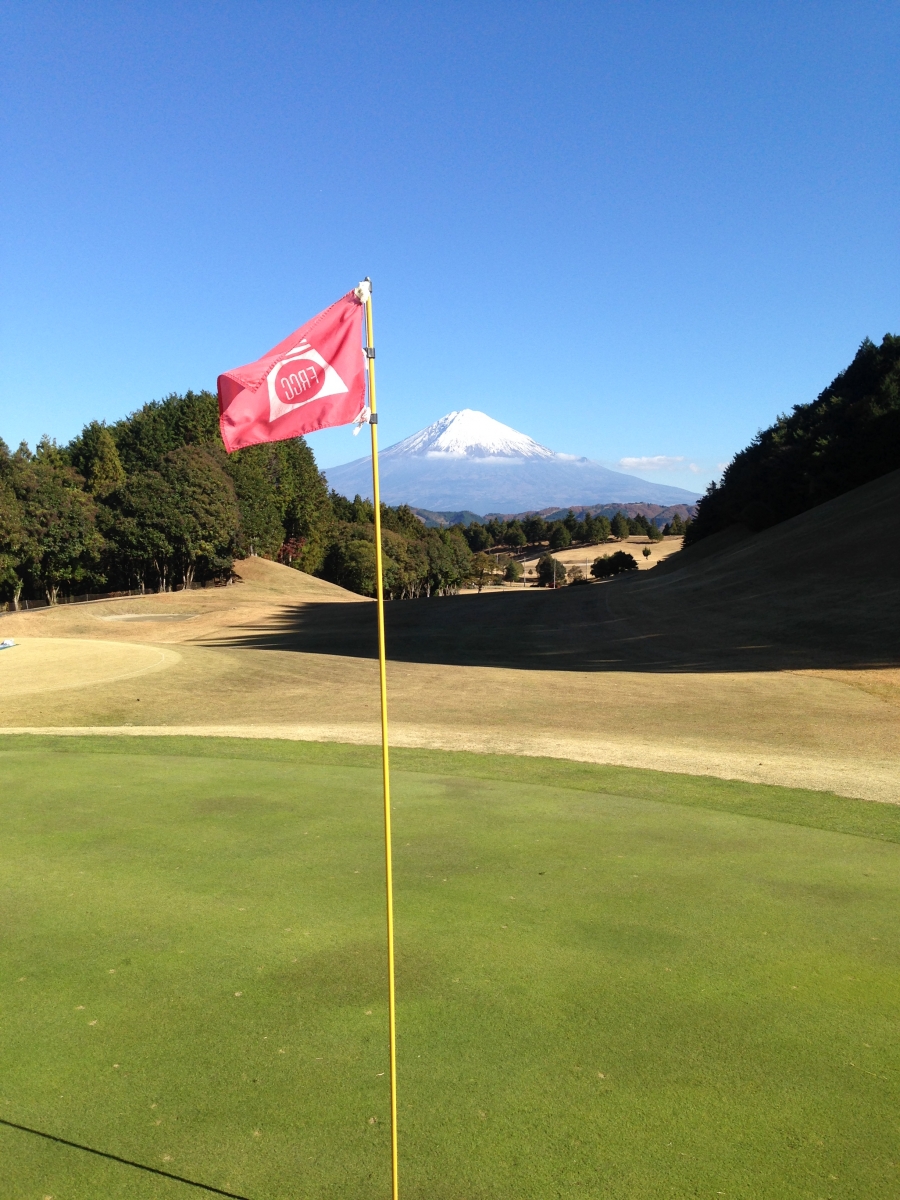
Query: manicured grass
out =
(612, 983)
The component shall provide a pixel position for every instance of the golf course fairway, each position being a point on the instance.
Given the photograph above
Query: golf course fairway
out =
(611, 983)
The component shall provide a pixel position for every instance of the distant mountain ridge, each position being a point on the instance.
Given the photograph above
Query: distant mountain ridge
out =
(467, 461)
(659, 514)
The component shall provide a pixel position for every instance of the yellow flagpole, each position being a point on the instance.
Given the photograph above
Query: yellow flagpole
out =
(385, 767)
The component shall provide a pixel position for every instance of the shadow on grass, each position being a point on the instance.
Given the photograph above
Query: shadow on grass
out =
(621, 626)
(817, 591)
(127, 1162)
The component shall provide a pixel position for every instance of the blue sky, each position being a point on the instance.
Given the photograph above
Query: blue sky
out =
(635, 231)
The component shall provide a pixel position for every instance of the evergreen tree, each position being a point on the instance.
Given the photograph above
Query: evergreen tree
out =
(496, 529)
(514, 535)
(146, 436)
(602, 528)
(303, 495)
(356, 511)
(61, 545)
(206, 531)
(12, 532)
(613, 564)
(477, 536)
(550, 571)
(140, 533)
(484, 570)
(449, 561)
(351, 564)
(535, 530)
(282, 495)
(403, 520)
(847, 436)
(560, 537)
(95, 455)
(620, 527)
(255, 474)
(178, 523)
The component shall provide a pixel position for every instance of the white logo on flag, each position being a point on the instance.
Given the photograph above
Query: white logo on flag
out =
(300, 377)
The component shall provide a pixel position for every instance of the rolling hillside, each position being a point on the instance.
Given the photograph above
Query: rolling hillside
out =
(771, 659)
(820, 590)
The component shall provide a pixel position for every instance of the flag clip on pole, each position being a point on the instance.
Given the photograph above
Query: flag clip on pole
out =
(364, 293)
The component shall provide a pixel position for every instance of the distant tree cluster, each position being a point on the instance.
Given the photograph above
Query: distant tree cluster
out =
(676, 527)
(151, 503)
(587, 530)
(417, 561)
(613, 564)
(552, 573)
(847, 436)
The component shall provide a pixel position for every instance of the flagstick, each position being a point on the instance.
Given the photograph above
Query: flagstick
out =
(385, 768)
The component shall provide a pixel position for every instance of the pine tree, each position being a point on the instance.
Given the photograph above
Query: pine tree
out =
(620, 526)
(95, 455)
(535, 530)
(560, 538)
(602, 528)
(550, 571)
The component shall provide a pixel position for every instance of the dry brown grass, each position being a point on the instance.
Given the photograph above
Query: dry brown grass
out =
(583, 556)
(722, 669)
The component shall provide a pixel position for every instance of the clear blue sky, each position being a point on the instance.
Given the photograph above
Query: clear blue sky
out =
(631, 230)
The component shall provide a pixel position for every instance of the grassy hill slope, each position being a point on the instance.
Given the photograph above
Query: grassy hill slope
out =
(825, 583)
(821, 590)
(771, 660)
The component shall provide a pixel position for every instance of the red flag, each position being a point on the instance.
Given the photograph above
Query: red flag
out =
(313, 379)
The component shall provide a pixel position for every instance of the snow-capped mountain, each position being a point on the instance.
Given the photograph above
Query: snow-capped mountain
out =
(467, 460)
(470, 434)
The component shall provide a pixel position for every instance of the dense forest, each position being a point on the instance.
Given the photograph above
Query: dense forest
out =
(417, 561)
(153, 503)
(847, 436)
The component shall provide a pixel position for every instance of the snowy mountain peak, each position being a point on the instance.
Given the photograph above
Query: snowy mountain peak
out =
(467, 460)
(469, 434)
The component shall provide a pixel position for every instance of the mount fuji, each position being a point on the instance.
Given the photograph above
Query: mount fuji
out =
(467, 460)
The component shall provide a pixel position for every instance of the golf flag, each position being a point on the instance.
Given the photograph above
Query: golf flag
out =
(313, 379)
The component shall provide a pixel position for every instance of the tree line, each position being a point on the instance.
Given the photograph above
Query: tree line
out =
(153, 502)
(588, 530)
(847, 436)
(416, 561)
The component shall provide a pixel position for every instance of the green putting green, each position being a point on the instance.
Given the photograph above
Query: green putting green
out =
(611, 983)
